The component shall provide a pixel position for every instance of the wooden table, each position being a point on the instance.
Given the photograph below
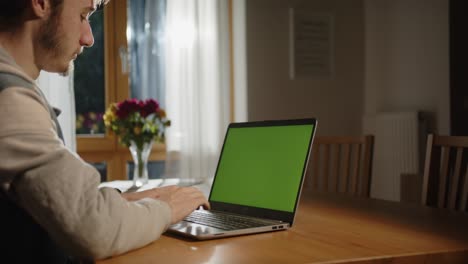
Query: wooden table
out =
(330, 229)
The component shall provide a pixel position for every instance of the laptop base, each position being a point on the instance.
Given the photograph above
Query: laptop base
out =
(202, 232)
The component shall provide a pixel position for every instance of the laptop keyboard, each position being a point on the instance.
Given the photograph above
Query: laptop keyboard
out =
(224, 221)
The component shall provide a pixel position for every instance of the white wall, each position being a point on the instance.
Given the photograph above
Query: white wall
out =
(407, 69)
(59, 92)
(407, 58)
(390, 56)
(338, 102)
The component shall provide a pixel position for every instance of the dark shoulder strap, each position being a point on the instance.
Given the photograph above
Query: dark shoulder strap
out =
(12, 80)
(9, 80)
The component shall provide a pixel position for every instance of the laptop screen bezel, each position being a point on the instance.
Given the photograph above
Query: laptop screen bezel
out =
(262, 212)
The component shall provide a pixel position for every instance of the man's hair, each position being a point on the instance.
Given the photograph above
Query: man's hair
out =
(12, 10)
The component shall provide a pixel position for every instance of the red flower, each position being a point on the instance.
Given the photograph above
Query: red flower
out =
(150, 106)
(136, 120)
(127, 107)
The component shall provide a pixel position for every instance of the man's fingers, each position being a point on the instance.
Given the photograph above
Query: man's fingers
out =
(182, 200)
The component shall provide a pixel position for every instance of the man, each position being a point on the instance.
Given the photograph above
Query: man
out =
(49, 198)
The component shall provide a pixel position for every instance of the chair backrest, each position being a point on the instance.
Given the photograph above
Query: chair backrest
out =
(341, 164)
(445, 181)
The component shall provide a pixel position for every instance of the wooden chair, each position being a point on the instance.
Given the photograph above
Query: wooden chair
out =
(341, 164)
(445, 180)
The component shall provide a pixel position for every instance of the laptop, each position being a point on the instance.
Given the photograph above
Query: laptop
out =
(258, 180)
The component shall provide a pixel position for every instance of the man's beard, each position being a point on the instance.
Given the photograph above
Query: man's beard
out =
(49, 39)
(69, 70)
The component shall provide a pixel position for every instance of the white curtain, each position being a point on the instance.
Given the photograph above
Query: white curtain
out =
(59, 92)
(239, 57)
(146, 28)
(197, 85)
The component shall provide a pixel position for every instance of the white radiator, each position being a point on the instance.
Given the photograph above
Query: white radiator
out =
(396, 151)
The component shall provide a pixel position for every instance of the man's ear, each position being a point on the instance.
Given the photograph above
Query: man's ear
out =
(41, 8)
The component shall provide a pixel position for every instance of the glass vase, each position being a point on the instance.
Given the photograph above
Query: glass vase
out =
(140, 153)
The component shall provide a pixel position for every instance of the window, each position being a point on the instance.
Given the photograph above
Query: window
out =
(89, 82)
(100, 80)
(102, 76)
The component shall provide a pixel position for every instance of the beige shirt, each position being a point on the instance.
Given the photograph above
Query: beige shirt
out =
(58, 189)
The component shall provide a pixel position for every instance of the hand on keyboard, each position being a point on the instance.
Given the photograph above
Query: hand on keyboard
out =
(182, 200)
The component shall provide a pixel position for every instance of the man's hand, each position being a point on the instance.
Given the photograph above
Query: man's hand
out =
(135, 196)
(182, 200)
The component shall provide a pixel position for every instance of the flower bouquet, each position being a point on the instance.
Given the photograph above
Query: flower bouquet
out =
(89, 123)
(137, 123)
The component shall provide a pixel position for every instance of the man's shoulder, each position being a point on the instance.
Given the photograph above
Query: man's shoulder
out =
(17, 86)
(22, 110)
(25, 96)
(9, 68)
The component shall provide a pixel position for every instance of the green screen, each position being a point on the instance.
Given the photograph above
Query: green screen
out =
(262, 166)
